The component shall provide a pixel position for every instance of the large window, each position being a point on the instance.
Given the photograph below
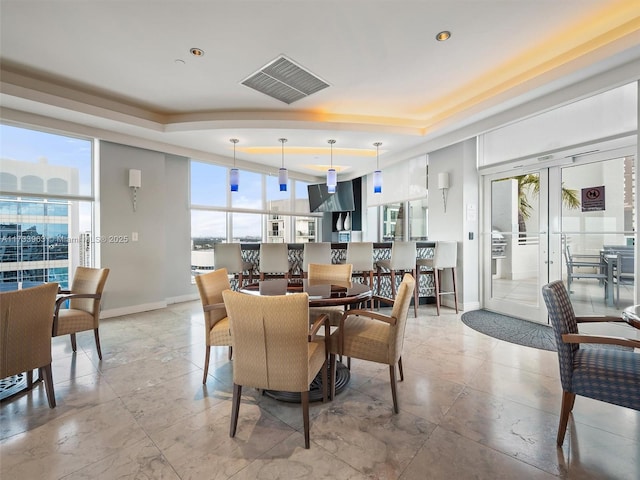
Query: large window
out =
(46, 205)
(257, 212)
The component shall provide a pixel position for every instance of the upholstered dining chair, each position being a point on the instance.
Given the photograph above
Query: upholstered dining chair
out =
(274, 259)
(274, 348)
(445, 257)
(608, 375)
(26, 317)
(315, 252)
(403, 259)
(83, 312)
(376, 337)
(216, 324)
(339, 273)
(229, 256)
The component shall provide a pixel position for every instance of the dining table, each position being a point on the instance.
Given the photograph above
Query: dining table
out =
(631, 315)
(321, 294)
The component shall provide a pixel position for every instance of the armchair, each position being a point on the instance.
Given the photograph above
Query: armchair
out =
(25, 333)
(376, 337)
(216, 323)
(274, 348)
(84, 305)
(608, 375)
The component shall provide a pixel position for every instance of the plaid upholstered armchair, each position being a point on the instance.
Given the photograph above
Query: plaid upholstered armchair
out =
(274, 348)
(25, 333)
(609, 375)
(216, 324)
(376, 337)
(84, 305)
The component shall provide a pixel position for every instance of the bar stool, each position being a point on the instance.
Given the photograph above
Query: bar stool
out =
(229, 256)
(403, 258)
(313, 252)
(274, 259)
(360, 255)
(445, 256)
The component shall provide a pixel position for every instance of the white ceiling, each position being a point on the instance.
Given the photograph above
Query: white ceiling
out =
(124, 68)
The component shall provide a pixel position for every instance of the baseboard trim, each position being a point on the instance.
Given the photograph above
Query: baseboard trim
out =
(145, 307)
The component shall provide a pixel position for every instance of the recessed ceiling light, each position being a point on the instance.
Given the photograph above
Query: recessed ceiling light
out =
(196, 52)
(442, 36)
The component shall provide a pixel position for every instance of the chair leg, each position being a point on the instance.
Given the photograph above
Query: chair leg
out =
(378, 270)
(325, 379)
(230, 353)
(415, 294)
(304, 396)
(97, 337)
(394, 395)
(455, 290)
(332, 368)
(568, 400)
(400, 368)
(436, 281)
(393, 284)
(235, 409)
(73, 342)
(48, 384)
(29, 375)
(207, 354)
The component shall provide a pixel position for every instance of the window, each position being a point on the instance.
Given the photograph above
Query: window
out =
(46, 206)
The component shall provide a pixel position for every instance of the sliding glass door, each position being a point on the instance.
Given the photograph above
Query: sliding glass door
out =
(575, 221)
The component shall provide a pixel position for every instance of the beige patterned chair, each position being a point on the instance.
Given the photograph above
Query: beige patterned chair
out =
(376, 337)
(26, 318)
(274, 349)
(338, 274)
(216, 324)
(84, 299)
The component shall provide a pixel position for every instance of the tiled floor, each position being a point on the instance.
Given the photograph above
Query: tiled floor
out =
(471, 407)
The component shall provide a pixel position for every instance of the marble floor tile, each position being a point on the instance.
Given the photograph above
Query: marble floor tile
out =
(448, 455)
(470, 407)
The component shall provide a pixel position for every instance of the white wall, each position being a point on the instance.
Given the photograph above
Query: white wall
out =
(460, 221)
(153, 271)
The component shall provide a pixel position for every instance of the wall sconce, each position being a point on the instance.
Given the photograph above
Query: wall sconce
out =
(443, 184)
(135, 182)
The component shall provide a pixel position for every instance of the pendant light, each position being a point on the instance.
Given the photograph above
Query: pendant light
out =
(234, 175)
(283, 176)
(332, 177)
(377, 175)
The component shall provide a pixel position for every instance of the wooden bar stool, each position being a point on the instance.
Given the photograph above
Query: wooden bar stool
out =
(403, 259)
(445, 256)
(274, 259)
(229, 256)
(360, 256)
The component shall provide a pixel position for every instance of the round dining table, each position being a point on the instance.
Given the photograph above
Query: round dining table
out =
(631, 315)
(321, 294)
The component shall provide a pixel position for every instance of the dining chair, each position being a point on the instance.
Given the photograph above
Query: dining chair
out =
(624, 273)
(339, 273)
(83, 312)
(274, 348)
(274, 259)
(216, 323)
(26, 318)
(229, 256)
(360, 256)
(605, 374)
(376, 337)
(445, 256)
(315, 252)
(583, 265)
(403, 258)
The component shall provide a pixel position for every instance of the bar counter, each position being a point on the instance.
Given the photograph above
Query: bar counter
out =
(381, 251)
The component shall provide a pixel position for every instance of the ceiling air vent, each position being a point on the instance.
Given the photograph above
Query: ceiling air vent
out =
(285, 81)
